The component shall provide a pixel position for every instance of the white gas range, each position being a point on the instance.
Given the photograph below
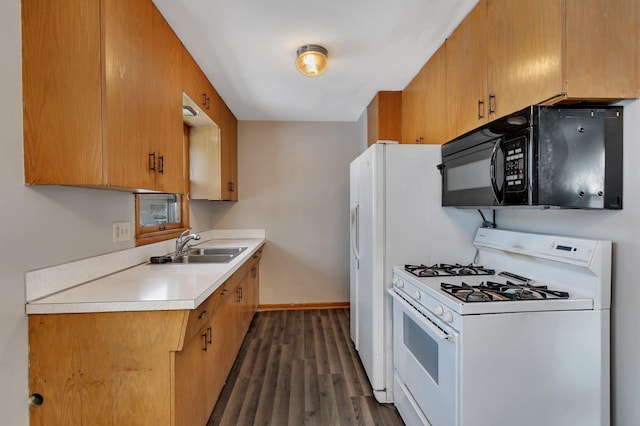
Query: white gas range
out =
(519, 337)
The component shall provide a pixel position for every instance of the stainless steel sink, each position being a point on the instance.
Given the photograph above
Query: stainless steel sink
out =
(217, 250)
(209, 255)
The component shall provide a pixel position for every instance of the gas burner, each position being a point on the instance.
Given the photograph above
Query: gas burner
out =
(447, 269)
(429, 271)
(494, 292)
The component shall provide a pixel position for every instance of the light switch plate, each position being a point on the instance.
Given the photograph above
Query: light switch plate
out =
(121, 231)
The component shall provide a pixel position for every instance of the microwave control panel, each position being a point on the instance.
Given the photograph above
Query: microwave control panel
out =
(515, 164)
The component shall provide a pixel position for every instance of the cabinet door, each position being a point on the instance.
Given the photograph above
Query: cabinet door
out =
(167, 131)
(196, 85)
(129, 97)
(601, 40)
(192, 404)
(435, 100)
(413, 108)
(466, 53)
(425, 118)
(384, 117)
(62, 81)
(229, 155)
(524, 53)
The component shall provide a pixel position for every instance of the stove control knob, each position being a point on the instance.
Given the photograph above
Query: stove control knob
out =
(439, 310)
(416, 295)
(398, 282)
(447, 316)
(395, 280)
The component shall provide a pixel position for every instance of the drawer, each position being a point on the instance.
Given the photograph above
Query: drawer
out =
(203, 313)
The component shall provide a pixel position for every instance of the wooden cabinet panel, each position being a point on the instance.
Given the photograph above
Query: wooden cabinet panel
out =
(424, 109)
(191, 402)
(128, 37)
(601, 42)
(103, 368)
(198, 88)
(466, 57)
(229, 155)
(167, 133)
(524, 53)
(384, 117)
(414, 109)
(61, 111)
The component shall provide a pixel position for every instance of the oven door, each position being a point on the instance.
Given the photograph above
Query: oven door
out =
(425, 360)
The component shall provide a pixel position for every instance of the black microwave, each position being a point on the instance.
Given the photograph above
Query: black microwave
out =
(544, 156)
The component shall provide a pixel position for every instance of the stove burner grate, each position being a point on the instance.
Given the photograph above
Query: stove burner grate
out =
(490, 291)
(440, 269)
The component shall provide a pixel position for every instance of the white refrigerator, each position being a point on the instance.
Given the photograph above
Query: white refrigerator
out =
(396, 218)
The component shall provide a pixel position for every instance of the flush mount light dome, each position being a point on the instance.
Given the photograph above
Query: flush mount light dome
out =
(312, 60)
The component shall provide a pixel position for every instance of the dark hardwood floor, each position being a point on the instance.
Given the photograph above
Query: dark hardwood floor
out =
(300, 368)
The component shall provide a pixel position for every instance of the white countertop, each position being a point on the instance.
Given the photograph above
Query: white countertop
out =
(149, 286)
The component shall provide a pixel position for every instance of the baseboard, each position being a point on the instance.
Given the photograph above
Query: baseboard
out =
(301, 306)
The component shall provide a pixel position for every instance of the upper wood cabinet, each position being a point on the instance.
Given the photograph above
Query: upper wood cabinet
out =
(198, 88)
(508, 54)
(424, 103)
(168, 133)
(384, 117)
(213, 150)
(229, 154)
(466, 58)
(213, 155)
(92, 75)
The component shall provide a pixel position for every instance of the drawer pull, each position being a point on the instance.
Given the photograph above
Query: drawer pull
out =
(204, 336)
(203, 314)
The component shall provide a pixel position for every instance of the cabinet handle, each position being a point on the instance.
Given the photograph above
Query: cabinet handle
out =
(208, 102)
(232, 187)
(203, 314)
(239, 294)
(492, 104)
(224, 292)
(210, 331)
(204, 100)
(161, 164)
(204, 338)
(254, 272)
(152, 162)
(480, 109)
(421, 140)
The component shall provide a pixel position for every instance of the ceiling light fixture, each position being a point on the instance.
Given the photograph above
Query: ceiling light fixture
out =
(312, 60)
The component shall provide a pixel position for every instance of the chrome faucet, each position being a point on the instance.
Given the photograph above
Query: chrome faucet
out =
(182, 242)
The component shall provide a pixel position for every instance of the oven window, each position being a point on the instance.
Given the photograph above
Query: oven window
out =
(422, 346)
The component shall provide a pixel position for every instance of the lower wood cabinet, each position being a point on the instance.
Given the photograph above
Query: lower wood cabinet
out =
(140, 368)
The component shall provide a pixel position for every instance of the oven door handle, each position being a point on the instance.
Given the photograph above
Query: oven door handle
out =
(422, 318)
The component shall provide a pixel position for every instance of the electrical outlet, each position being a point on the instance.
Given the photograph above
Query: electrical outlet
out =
(121, 231)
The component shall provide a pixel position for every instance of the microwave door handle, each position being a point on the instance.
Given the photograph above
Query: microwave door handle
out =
(494, 187)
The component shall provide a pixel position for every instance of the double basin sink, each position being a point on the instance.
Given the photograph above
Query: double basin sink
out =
(209, 255)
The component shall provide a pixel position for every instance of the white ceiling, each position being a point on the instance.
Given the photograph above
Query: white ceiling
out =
(247, 49)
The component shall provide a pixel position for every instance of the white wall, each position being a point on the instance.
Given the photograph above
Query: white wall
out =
(293, 180)
(623, 228)
(41, 226)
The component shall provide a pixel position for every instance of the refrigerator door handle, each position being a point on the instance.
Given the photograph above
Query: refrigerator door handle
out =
(355, 207)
